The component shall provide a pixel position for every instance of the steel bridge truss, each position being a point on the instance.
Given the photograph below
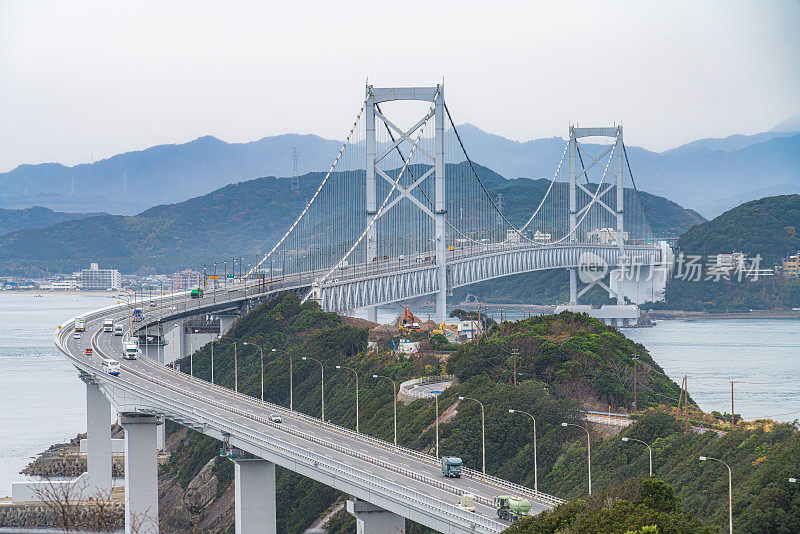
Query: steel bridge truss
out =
(393, 285)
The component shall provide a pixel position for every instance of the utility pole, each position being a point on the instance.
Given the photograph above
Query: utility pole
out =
(733, 418)
(635, 384)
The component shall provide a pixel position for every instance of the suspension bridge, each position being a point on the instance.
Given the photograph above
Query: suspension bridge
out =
(403, 212)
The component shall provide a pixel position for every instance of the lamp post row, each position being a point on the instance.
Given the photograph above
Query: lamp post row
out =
(483, 420)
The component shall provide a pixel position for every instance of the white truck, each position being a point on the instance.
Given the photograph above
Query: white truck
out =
(118, 329)
(130, 350)
(108, 325)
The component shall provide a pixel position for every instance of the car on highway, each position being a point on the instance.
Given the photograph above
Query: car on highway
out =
(276, 418)
(88, 352)
(76, 335)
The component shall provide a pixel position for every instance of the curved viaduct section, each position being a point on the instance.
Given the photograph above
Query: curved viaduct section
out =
(387, 483)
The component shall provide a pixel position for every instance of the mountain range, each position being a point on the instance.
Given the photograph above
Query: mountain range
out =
(707, 175)
(238, 220)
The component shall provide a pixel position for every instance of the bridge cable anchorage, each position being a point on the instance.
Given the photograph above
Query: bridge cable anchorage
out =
(380, 212)
(316, 193)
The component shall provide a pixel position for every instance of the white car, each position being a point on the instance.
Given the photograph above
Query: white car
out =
(275, 418)
(76, 335)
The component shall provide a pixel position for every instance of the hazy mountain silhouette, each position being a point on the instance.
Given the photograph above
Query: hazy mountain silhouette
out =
(708, 175)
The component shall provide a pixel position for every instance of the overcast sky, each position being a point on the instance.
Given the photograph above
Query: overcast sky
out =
(83, 80)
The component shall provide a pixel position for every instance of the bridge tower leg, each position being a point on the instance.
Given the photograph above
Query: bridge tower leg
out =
(371, 191)
(141, 473)
(255, 496)
(572, 151)
(371, 519)
(620, 209)
(441, 209)
(98, 442)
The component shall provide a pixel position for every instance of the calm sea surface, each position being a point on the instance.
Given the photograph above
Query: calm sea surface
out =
(42, 400)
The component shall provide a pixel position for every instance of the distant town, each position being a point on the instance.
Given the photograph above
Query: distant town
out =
(94, 278)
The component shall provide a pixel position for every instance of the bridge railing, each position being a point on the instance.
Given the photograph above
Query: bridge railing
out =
(500, 483)
(191, 412)
(427, 458)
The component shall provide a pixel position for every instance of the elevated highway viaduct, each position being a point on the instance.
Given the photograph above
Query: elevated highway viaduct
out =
(386, 483)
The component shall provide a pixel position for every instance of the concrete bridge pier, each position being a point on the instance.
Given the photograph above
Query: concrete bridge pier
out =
(141, 473)
(98, 442)
(371, 519)
(179, 343)
(226, 322)
(255, 496)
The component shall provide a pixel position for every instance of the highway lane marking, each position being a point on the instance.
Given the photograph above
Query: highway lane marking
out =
(248, 403)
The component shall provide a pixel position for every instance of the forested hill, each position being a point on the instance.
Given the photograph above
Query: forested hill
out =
(242, 219)
(34, 217)
(566, 361)
(769, 226)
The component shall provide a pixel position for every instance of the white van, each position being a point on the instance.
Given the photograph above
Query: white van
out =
(119, 329)
(130, 350)
(111, 367)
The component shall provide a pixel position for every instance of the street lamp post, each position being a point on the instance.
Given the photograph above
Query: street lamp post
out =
(291, 387)
(589, 448)
(730, 490)
(262, 366)
(356, 375)
(535, 466)
(436, 394)
(322, 383)
(483, 432)
(235, 366)
(649, 450)
(394, 392)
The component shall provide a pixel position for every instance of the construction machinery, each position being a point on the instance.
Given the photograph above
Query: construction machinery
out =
(409, 322)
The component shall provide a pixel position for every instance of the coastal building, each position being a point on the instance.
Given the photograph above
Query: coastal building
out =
(59, 285)
(96, 279)
(186, 279)
(790, 267)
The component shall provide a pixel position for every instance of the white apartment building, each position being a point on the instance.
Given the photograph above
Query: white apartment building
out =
(96, 279)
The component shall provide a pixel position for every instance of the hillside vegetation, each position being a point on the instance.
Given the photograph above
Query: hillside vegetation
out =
(34, 217)
(554, 351)
(767, 227)
(239, 220)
